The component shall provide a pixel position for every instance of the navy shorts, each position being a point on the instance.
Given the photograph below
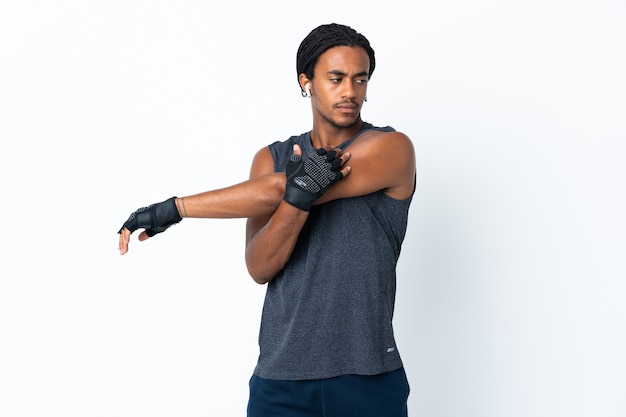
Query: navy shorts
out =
(383, 395)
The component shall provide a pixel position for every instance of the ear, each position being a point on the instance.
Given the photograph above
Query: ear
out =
(304, 82)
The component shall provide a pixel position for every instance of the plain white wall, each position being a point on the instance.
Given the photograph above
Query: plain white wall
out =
(511, 279)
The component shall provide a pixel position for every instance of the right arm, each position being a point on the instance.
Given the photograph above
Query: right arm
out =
(270, 238)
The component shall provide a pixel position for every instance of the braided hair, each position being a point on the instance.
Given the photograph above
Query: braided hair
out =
(325, 37)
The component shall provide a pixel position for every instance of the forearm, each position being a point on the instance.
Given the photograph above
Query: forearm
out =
(269, 248)
(256, 197)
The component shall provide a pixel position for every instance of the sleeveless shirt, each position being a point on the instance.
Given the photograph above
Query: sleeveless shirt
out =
(329, 311)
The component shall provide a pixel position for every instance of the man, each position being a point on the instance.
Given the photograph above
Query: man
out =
(325, 236)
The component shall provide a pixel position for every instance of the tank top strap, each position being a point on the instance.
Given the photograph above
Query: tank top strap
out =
(366, 126)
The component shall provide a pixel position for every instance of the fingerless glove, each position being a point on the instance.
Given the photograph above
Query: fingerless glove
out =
(155, 218)
(308, 179)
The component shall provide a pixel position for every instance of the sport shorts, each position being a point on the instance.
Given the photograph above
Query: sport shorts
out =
(383, 395)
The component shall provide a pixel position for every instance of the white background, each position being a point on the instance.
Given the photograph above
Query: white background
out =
(511, 280)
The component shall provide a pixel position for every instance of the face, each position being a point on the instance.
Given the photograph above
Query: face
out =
(339, 85)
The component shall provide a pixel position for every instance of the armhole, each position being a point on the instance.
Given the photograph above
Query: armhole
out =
(262, 163)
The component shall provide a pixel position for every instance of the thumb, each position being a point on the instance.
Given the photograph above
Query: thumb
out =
(143, 236)
(297, 150)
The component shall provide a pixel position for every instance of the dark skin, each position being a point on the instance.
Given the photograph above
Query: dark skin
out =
(256, 197)
(337, 94)
(378, 161)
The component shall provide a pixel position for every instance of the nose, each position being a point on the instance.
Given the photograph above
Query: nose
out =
(348, 90)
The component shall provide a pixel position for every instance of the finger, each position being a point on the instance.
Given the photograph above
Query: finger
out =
(143, 236)
(297, 150)
(123, 241)
(340, 154)
(340, 161)
(340, 158)
(345, 171)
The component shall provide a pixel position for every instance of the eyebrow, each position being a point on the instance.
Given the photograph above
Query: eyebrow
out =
(343, 74)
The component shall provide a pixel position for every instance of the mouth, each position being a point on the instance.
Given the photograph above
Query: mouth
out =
(347, 107)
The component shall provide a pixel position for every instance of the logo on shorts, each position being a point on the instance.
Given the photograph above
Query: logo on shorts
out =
(391, 349)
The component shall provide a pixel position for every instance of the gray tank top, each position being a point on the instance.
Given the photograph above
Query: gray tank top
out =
(329, 311)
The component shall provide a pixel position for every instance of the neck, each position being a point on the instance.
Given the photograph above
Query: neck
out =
(333, 136)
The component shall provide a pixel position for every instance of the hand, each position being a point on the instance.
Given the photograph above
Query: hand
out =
(155, 218)
(308, 179)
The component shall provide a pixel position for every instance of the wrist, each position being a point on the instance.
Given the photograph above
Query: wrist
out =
(180, 206)
(298, 198)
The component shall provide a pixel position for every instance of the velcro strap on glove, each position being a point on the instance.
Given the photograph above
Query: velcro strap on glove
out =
(309, 179)
(155, 218)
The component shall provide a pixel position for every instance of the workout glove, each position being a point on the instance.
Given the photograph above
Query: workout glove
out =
(155, 218)
(308, 179)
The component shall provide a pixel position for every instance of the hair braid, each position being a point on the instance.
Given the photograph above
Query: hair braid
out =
(325, 37)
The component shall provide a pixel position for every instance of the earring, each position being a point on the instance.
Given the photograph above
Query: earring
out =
(365, 99)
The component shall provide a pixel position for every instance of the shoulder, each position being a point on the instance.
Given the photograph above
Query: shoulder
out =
(372, 153)
(262, 163)
(384, 142)
(273, 157)
(281, 151)
(379, 160)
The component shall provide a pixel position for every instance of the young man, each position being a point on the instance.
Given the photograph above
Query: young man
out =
(325, 236)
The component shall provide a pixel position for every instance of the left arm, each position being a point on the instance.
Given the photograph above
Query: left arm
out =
(378, 161)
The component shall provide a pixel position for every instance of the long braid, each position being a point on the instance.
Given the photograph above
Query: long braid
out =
(325, 37)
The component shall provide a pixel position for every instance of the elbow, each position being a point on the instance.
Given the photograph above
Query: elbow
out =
(262, 265)
(258, 271)
(260, 281)
(259, 277)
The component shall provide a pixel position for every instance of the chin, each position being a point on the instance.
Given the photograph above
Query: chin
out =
(344, 123)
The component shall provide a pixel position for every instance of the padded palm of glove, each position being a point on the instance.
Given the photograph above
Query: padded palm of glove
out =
(155, 218)
(309, 179)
